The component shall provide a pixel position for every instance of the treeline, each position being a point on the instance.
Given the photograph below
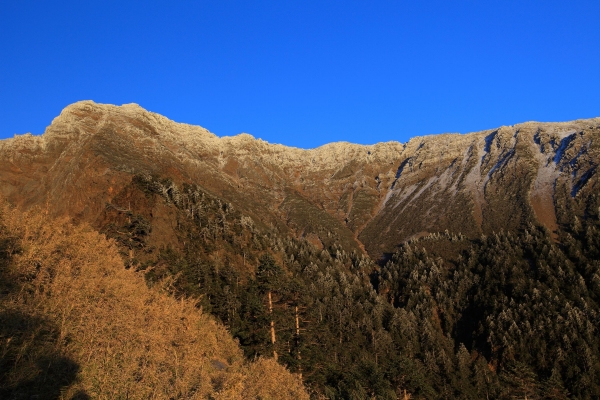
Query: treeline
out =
(510, 315)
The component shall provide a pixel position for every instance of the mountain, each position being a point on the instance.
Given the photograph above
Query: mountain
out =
(426, 266)
(373, 197)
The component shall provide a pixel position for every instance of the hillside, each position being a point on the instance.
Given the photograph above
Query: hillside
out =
(74, 323)
(432, 266)
(91, 151)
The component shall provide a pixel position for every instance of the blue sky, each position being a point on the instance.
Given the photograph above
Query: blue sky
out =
(304, 73)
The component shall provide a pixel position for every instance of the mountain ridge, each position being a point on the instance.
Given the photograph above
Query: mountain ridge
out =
(367, 188)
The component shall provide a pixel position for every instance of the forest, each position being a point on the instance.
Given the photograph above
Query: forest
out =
(76, 324)
(509, 315)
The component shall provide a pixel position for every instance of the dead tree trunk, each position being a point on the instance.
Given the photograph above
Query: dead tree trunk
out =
(298, 342)
(272, 325)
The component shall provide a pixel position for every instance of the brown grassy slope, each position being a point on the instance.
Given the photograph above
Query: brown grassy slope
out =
(490, 181)
(376, 197)
(91, 151)
(74, 323)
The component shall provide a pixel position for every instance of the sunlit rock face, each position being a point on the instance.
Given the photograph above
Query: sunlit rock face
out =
(371, 198)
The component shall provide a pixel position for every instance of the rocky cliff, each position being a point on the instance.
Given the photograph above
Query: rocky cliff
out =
(369, 197)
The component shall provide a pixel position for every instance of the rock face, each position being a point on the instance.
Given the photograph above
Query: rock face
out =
(372, 198)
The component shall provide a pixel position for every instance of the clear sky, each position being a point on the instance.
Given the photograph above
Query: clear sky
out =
(304, 73)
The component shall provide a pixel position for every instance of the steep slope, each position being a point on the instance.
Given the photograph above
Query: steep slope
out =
(90, 152)
(74, 323)
(489, 181)
(378, 196)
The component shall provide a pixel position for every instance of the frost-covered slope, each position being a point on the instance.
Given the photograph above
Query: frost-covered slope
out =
(373, 196)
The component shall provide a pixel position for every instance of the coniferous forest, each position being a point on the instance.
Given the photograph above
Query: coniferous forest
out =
(509, 315)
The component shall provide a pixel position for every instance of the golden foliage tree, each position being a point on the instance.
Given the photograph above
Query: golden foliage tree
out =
(76, 315)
